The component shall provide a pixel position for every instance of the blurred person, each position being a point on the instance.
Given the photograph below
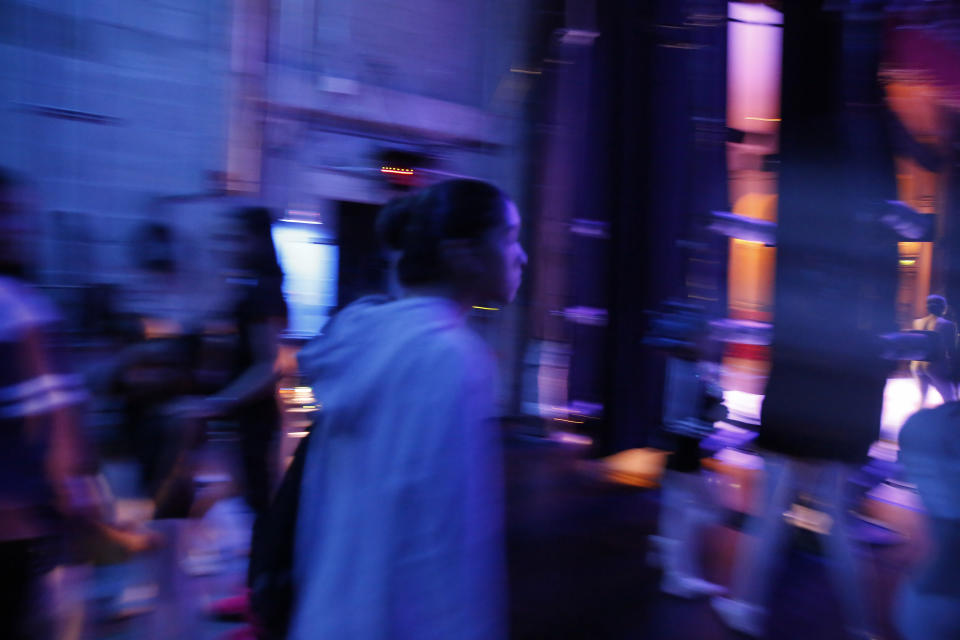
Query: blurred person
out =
(939, 370)
(50, 499)
(819, 418)
(928, 606)
(257, 311)
(155, 363)
(692, 404)
(809, 461)
(259, 314)
(399, 531)
(156, 289)
(686, 506)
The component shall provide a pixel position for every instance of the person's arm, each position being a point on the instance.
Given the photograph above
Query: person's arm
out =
(259, 378)
(44, 400)
(256, 381)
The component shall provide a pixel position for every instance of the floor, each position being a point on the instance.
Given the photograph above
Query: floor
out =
(578, 567)
(577, 552)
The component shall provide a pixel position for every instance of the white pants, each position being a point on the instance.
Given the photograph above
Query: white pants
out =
(767, 533)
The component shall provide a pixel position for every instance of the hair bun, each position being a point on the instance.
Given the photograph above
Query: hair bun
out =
(394, 221)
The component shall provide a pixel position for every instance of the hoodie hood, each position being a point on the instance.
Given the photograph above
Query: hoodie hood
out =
(345, 364)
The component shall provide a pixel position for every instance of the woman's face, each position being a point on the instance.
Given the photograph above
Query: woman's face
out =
(502, 259)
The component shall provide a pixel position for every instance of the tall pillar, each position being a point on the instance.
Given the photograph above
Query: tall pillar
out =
(836, 268)
(248, 67)
(667, 174)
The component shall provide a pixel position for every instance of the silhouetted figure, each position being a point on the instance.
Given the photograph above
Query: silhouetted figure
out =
(258, 313)
(692, 404)
(938, 370)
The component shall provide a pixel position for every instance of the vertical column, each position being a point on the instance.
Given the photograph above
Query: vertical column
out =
(565, 164)
(836, 269)
(248, 94)
(949, 264)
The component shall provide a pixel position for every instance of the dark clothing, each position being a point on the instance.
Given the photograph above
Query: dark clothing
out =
(25, 563)
(258, 438)
(686, 454)
(258, 301)
(821, 414)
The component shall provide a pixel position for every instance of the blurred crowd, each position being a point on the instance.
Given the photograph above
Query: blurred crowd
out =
(167, 376)
(405, 390)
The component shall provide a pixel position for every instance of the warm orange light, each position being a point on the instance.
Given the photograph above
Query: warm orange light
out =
(398, 171)
(751, 265)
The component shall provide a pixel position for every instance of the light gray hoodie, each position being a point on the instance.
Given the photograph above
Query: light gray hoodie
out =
(399, 533)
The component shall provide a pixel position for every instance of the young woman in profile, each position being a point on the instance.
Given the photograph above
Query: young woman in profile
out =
(399, 526)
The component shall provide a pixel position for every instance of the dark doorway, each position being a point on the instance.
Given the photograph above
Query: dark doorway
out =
(362, 264)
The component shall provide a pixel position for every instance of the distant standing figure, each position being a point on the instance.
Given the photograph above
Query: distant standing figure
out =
(938, 370)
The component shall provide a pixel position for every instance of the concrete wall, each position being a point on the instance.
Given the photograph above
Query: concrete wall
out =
(431, 73)
(106, 104)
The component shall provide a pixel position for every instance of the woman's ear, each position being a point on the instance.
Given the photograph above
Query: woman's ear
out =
(461, 257)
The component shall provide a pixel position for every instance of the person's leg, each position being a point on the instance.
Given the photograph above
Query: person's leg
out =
(682, 518)
(847, 570)
(676, 504)
(757, 554)
(765, 534)
(923, 383)
(945, 387)
(256, 443)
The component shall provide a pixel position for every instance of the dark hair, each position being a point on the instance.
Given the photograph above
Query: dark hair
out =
(416, 224)
(257, 223)
(937, 305)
